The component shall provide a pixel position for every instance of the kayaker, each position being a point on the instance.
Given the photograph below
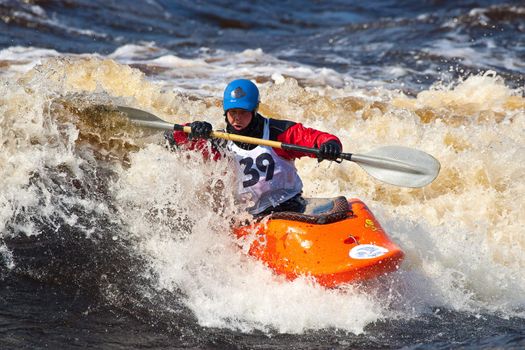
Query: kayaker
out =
(268, 176)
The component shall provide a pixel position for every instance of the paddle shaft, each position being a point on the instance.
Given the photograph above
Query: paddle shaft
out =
(363, 160)
(256, 141)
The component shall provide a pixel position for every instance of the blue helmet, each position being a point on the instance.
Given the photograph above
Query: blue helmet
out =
(241, 93)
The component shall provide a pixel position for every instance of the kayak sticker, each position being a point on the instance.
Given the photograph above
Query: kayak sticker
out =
(371, 225)
(367, 251)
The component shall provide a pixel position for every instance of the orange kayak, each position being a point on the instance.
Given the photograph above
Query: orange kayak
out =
(335, 241)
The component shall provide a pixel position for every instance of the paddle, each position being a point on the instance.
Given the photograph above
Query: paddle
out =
(395, 165)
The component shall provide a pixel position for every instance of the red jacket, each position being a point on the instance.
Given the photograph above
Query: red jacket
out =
(280, 130)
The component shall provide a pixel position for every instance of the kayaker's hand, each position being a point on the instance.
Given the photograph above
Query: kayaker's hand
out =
(200, 129)
(330, 150)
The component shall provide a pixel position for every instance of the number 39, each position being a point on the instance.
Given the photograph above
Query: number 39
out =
(264, 163)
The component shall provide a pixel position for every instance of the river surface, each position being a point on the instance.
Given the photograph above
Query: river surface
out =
(110, 241)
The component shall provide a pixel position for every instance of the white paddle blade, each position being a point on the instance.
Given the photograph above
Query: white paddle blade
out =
(399, 166)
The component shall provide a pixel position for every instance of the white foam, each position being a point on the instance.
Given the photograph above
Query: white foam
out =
(223, 287)
(130, 52)
(480, 55)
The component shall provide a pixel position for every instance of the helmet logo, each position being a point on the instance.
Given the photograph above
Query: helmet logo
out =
(238, 93)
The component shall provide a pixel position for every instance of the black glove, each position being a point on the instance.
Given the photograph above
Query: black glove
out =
(329, 150)
(201, 129)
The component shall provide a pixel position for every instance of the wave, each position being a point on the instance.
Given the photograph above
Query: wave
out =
(91, 202)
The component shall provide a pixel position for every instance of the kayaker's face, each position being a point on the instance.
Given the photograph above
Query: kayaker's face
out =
(239, 118)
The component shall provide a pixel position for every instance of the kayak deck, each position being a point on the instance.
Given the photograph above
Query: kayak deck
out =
(351, 249)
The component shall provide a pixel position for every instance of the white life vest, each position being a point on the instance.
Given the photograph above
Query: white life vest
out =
(263, 177)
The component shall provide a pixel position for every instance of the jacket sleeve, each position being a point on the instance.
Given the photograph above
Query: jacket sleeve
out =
(208, 149)
(298, 134)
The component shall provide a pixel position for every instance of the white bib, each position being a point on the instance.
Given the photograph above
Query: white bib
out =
(263, 177)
